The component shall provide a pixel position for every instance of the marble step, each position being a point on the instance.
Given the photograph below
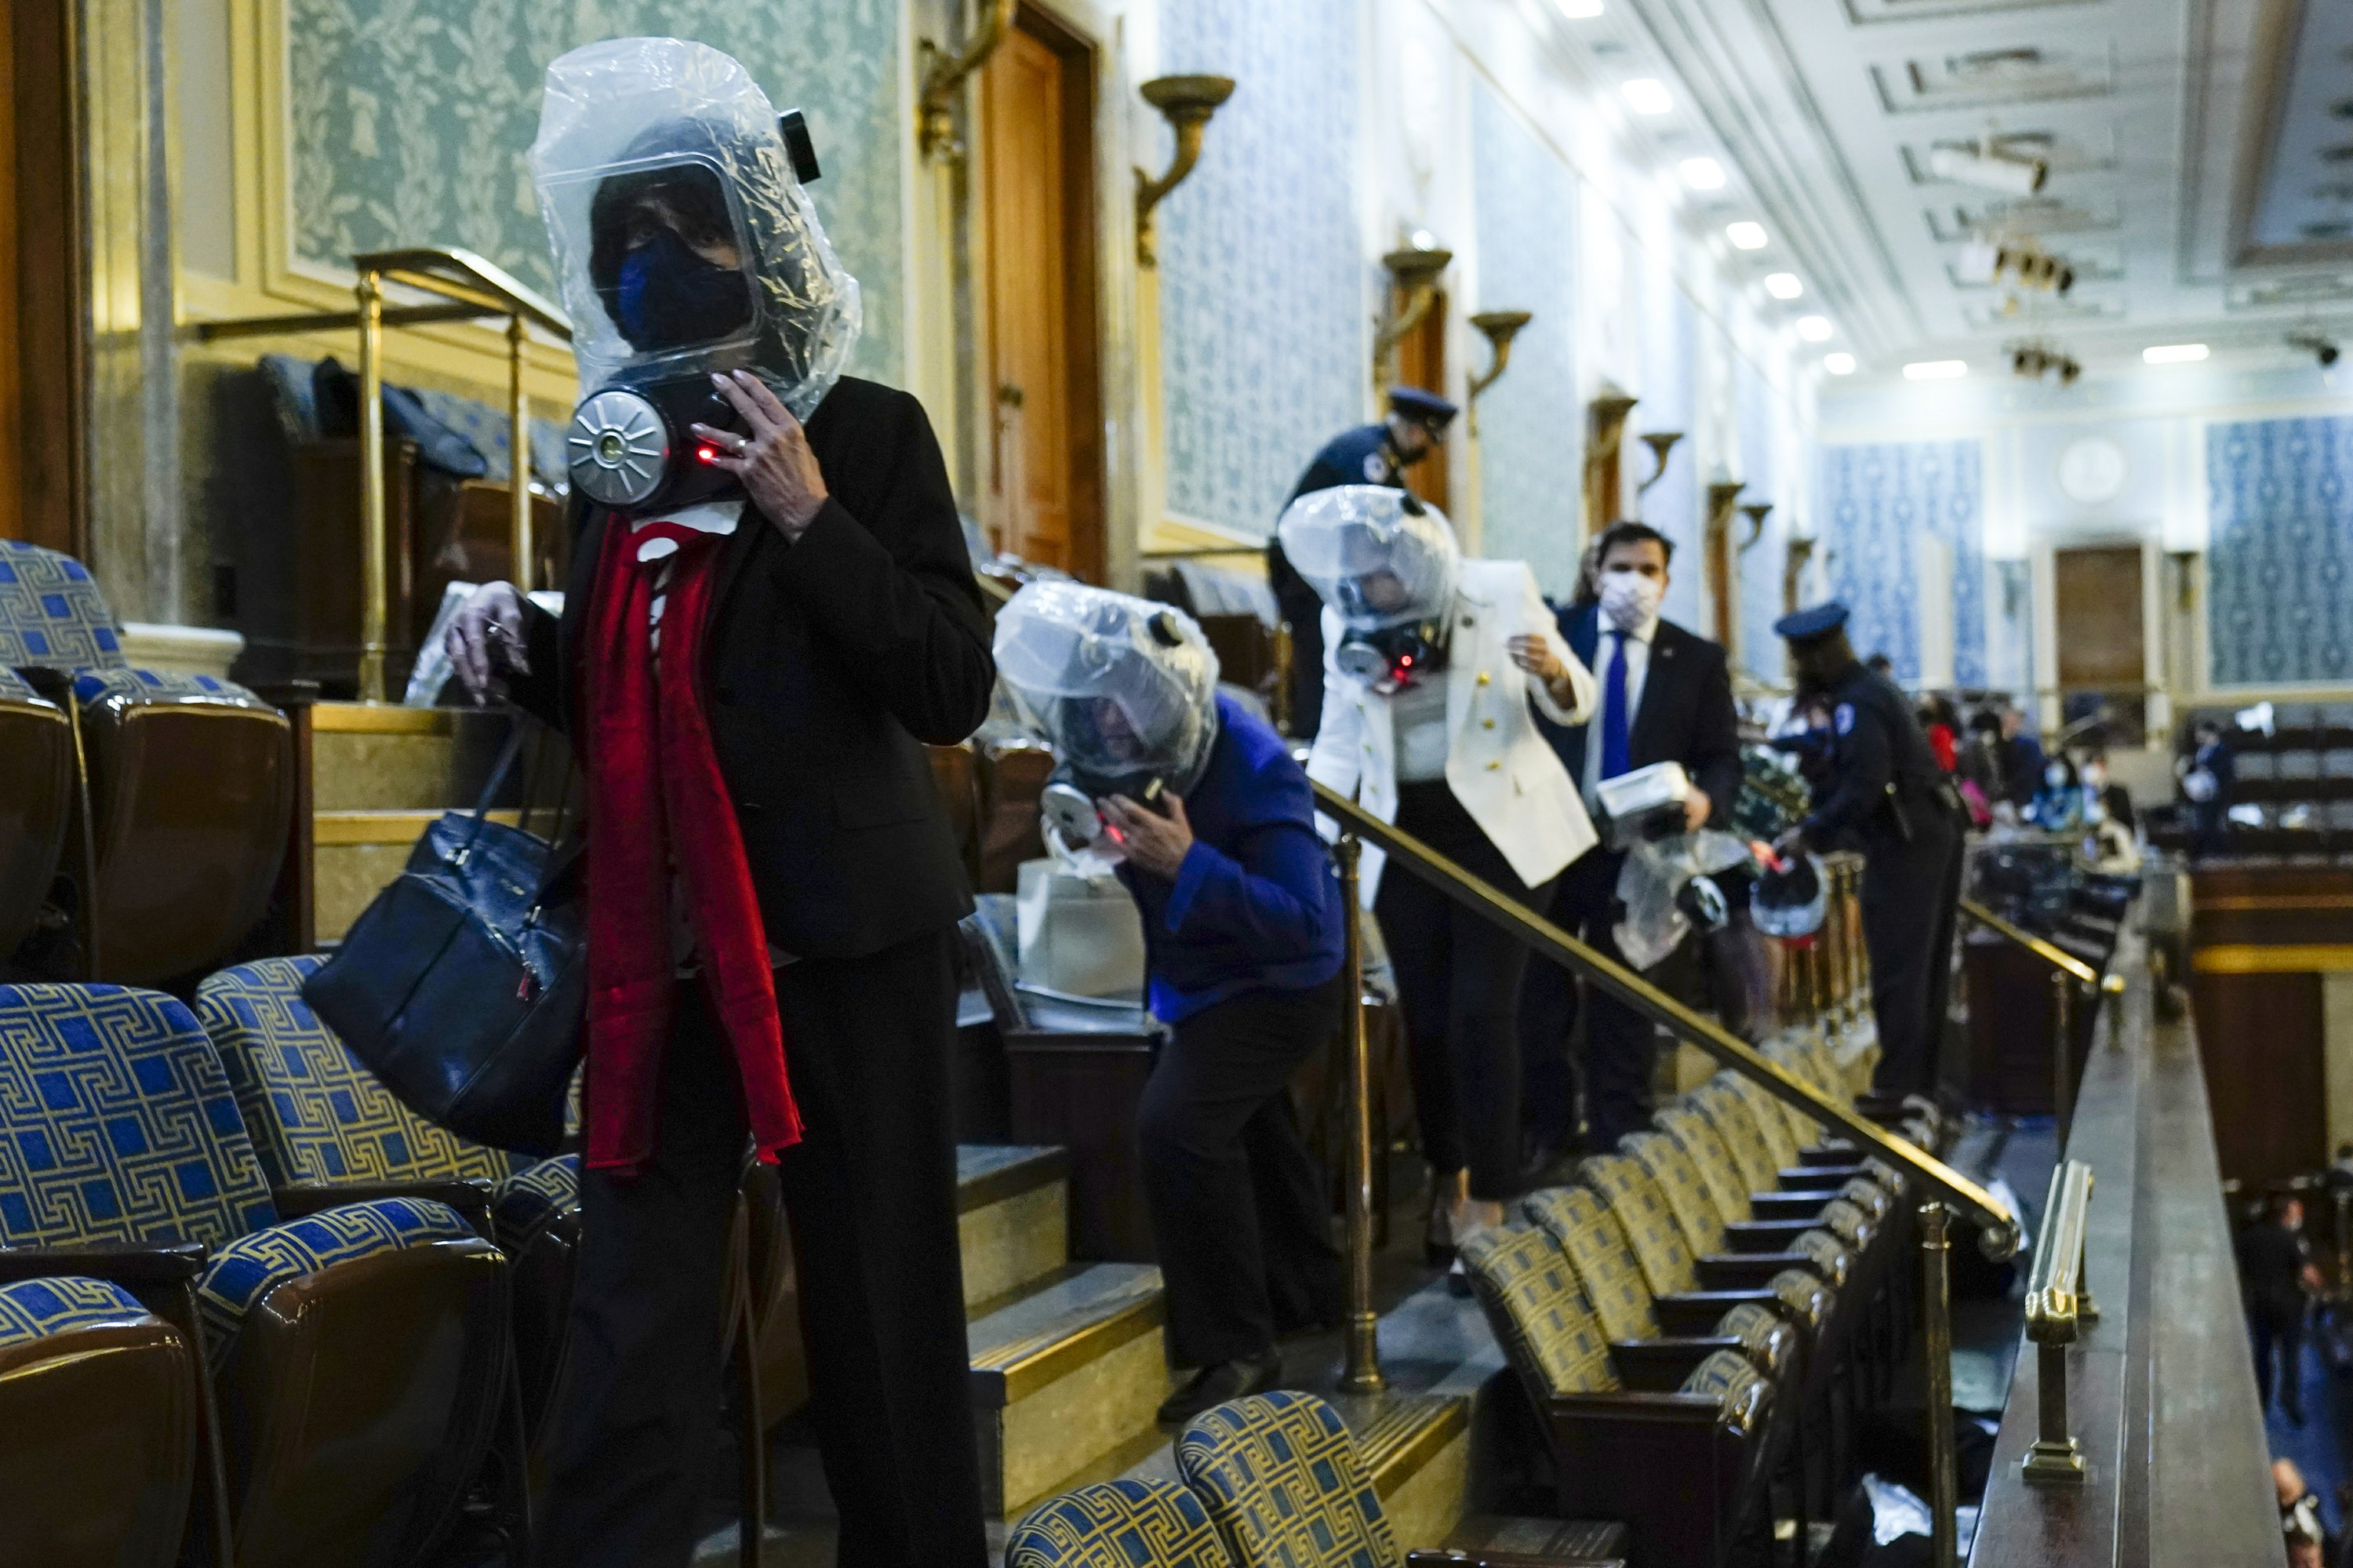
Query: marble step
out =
(1064, 1371)
(1013, 1216)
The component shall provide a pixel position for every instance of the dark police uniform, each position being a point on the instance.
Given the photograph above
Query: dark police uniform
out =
(1361, 456)
(1882, 791)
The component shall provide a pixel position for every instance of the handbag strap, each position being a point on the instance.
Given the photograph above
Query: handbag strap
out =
(490, 787)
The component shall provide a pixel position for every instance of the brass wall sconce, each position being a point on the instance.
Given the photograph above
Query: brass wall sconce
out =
(1499, 328)
(2185, 579)
(1416, 270)
(1756, 511)
(1186, 102)
(1716, 541)
(944, 73)
(1660, 443)
(1795, 555)
(1607, 421)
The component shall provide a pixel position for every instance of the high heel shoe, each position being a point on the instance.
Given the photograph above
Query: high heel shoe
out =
(1438, 1238)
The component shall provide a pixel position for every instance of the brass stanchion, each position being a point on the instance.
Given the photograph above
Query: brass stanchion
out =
(1363, 1349)
(2063, 1052)
(371, 523)
(1937, 1353)
(519, 458)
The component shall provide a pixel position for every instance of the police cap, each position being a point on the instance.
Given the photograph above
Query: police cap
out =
(1805, 625)
(1423, 407)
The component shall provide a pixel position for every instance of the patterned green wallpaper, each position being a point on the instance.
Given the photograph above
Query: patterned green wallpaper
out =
(411, 120)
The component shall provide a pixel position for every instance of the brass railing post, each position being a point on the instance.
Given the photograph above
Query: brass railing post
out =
(1362, 1374)
(371, 521)
(2063, 1052)
(519, 458)
(2057, 1304)
(1937, 1353)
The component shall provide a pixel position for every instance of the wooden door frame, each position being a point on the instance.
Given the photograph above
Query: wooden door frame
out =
(45, 377)
(1092, 551)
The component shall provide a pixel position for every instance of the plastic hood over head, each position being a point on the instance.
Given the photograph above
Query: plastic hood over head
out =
(683, 242)
(1120, 686)
(1378, 556)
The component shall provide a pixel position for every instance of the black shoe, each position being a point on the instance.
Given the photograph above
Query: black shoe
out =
(1219, 1381)
(1437, 1235)
(1546, 1164)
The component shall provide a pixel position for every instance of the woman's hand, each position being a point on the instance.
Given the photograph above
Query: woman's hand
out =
(1534, 654)
(1154, 843)
(486, 639)
(777, 469)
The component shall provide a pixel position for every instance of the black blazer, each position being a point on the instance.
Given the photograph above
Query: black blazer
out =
(829, 663)
(1687, 714)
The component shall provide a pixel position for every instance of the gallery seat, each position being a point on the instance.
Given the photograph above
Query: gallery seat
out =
(1117, 1524)
(356, 1350)
(36, 803)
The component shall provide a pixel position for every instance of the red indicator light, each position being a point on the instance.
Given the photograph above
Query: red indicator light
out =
(708, 454)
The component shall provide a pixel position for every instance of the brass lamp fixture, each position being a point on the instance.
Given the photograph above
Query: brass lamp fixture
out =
(1716, 558)
(1499, 328)
(944, 73)
(1607, 414)
(1796, 553)
(1186, 102)
(1660, 443)
(1756, 511)
(1415, 268)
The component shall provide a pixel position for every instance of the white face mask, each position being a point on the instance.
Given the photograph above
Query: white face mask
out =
(1629, 600)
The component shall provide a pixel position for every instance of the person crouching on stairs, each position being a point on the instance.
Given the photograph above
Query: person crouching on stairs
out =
(1212, 827)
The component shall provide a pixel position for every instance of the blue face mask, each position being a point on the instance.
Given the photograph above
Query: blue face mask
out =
(669, 297)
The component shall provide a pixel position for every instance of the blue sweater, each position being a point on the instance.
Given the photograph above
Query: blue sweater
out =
(1256, 903)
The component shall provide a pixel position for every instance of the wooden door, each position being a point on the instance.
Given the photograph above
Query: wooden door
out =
(1038, 189)
(40, 288)
(2098, 594)
(1421, 362)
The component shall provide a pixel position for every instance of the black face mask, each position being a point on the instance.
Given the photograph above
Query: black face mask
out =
(669, 297)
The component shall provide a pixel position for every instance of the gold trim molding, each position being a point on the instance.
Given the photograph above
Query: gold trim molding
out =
(2255, 959)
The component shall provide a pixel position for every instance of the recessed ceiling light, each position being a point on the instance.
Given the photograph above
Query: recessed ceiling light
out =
(1838, 363)
(1783, 285)
(1814, 329)
(1646, 95)
(1745, 236)
(1701, 174)
(2173, 353)
(1935, 370)
(1578, 10)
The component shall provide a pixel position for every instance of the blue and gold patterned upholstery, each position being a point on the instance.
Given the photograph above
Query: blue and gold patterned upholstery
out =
(1726, 1112)
(1686, 1195)
(1732, 1384)
(13, 689)
(1727, 1189)
(1766, 1112)
(315, 1112)
(1117, 1524)
(1596, 1249)
(116, 1123)
(106, 693)
(1282, 1482)
(52, 613)
(41, 1308)
(1667, 1264)
(1537, 1307)
(531, 1197)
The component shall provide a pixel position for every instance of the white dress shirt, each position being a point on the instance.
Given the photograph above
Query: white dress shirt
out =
(1637, 644)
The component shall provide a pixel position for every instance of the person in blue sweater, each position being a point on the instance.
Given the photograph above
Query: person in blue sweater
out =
(1213, 826)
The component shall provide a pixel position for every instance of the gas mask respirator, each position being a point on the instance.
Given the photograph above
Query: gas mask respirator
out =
(1386, 564)
(1123, 689)
(1391, 658)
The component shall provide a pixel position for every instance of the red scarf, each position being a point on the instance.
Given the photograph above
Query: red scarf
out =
(651, 767)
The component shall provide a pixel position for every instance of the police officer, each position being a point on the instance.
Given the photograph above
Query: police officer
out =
(1368, 454)
(1884, 793)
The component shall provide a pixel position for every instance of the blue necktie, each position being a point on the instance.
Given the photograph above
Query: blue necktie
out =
(1614, 759)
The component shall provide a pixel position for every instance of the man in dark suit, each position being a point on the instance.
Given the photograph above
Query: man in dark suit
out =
(1666, 696)
(1367, 454)
(749, 663)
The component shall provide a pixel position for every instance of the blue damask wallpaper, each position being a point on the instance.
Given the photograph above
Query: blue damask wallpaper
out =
(1671, 505)
(1531, 434)
(2279, 564)
(1263, 328)
(1759, 568)
(1871, 501)
(409, 121)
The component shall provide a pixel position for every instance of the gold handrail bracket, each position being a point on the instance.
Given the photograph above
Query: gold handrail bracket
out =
(2056, 956)
(2058, 1304)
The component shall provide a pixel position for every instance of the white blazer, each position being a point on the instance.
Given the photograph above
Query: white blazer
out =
(1501, 768)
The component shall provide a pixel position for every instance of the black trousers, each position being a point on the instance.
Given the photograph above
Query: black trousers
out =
(1620, 1043)
(1908, 889)
(2281, 1333)
(1240, 1215)
(1459, 983)
(871, 1192)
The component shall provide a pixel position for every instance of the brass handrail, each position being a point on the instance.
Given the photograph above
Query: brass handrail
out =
(1998, 1226)
(2056, 956)
(2058, 1303)
(474, 286)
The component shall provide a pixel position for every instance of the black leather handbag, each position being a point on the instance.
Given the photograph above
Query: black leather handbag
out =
(463, 986)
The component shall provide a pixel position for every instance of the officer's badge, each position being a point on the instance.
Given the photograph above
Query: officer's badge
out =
(1844, 719)
(1376, 469)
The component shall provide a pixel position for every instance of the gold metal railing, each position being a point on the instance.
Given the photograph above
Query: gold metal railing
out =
(473, 288)
(1944, 1187)
(2069, 977)
(2058, 1303)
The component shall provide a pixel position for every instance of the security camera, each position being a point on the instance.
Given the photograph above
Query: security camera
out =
(2321, 348)
(1992, 169)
